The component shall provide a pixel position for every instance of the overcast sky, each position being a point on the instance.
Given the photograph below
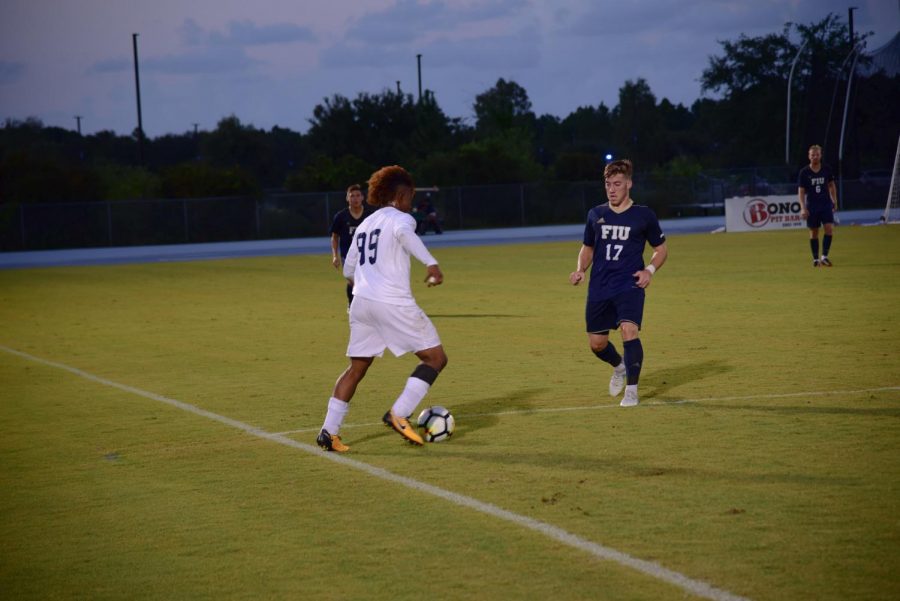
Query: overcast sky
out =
(269, 62)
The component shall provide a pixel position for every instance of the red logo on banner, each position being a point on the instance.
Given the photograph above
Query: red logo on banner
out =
(756, 213)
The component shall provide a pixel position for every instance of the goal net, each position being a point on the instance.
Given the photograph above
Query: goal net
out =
(892, 208)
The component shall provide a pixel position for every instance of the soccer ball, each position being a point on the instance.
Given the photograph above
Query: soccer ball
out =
(436, 424)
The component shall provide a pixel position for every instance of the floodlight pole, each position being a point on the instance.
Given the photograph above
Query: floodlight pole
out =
(856, 52)
(80, 140)
(787, 120)
(137, 87)
(419, 61)
(837, 83)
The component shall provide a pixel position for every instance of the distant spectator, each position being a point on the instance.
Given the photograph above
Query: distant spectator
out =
(426, 217)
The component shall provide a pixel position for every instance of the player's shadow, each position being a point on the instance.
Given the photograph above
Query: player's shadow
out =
(576, 467)
(469, 315)
(810, 410)
(374, 435)
(485, 413)
(658, 383)
(474, 415)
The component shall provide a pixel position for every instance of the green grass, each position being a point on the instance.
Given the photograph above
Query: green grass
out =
(762, 460)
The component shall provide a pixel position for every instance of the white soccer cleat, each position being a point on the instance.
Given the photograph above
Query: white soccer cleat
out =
(630, 399)
(617, 382)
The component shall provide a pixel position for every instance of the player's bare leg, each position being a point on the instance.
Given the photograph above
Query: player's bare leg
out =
(346, 384)
(433, 360)
(339, 404)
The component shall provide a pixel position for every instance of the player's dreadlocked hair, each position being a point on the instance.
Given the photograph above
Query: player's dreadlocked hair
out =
(618, 166)
(386, 182)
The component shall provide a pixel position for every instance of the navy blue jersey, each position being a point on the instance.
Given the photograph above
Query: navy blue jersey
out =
(618, 241)
(345, 224)
(816, 186)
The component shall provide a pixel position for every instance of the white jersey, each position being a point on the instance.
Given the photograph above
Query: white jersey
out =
(378, 260)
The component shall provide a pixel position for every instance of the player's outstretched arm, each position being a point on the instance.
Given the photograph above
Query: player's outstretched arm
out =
(335, 257)
(435, 276)
(643, 277)
(585, 258)
(351, 262)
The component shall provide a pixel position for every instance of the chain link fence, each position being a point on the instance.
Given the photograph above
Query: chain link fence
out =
(276, 214)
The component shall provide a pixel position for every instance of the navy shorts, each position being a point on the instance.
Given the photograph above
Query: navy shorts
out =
(603, 316)
(819, 216)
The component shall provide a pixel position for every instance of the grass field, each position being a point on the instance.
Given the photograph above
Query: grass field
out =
(764, 459)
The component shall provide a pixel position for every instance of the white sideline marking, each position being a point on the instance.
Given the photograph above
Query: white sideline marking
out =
(655, 570)
(616, 405)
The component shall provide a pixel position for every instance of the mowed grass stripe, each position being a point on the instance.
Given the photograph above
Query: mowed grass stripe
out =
(749, 397)
(597, 550)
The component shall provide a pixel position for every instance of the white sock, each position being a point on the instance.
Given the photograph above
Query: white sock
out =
(337, 409)
(631, 389)
(411, 396)
(620, 368)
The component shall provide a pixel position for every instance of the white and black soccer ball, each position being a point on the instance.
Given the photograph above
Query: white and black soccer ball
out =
(436, 424)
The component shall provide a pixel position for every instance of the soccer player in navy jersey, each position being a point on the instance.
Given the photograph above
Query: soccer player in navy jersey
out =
(613, 247)
(344, 225)
(818, 203)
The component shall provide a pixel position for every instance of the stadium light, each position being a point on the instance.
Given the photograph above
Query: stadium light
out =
(608, 157)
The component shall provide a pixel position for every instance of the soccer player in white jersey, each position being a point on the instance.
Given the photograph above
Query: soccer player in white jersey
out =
(384, 314)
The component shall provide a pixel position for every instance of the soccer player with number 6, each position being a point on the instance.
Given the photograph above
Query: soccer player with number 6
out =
(818, 203)
(614, 238)
(384, 314)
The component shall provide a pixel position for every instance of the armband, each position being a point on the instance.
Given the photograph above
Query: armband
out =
(651, 269)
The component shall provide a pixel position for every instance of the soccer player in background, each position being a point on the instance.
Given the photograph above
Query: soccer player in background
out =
(384, 313)
(613, 247)
(818, 203)
(342, 227)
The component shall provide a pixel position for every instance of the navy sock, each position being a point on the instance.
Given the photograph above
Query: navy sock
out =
(634, 357)
(610, 355)
(826, 244)
(814, 246)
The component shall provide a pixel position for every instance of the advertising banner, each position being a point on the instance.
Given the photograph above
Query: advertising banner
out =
(753, 213)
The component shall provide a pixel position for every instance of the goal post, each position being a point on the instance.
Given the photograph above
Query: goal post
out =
(892, 208)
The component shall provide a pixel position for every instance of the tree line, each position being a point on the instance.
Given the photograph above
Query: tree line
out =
(740, 122)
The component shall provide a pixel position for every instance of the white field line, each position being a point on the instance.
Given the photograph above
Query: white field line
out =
(643, 404)
(649, 568)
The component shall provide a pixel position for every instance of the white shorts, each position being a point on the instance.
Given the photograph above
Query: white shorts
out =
(375, 326)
